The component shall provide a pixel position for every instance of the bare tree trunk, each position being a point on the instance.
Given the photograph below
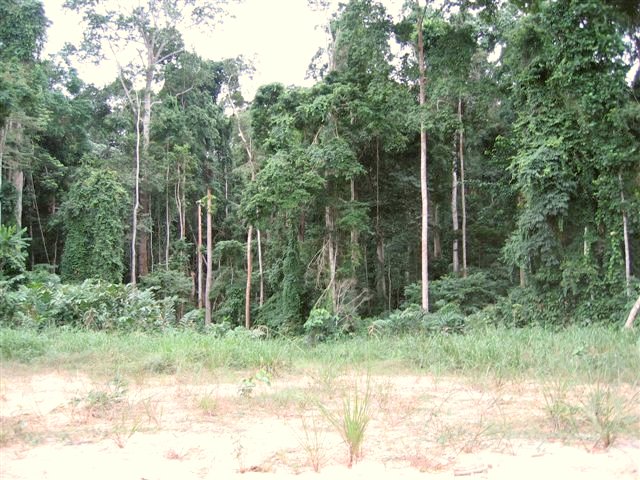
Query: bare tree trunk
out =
(424, 196)
(389, 282)
(199, 256)
(632, 314)
(454, 211)
(17, 179)
(247, 292)
(354, 233)
(249, 150)
(625, 230)
(167, 222)
(463, 194)
(437, 241)
(207, 291)
(381, 284)
(145, 206)
(136, 201)
(3, 142)
(260, 268)
(523, 277)
(226, 193)
(332, 253)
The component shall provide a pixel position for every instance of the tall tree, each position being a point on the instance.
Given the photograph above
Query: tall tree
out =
(22, 35)
(567, 64)
(152, 29)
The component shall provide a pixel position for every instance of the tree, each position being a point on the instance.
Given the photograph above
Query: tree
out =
(424, 185)
(569, 81)
(152, 27)
(22, 35)
(94, 212)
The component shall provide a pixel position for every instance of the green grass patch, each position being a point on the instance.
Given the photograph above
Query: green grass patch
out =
(609, 354)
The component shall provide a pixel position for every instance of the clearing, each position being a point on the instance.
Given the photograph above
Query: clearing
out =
(56, 424)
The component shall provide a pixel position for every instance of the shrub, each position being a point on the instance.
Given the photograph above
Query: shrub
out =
(91, 304)
(471, 293)
(320, 325)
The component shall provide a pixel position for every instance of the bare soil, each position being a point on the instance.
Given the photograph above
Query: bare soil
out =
(57, 425)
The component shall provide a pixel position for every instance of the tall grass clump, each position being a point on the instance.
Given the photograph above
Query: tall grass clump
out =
(351, 422)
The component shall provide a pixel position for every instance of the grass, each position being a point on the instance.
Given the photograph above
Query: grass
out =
(577, 353)
(351, 422)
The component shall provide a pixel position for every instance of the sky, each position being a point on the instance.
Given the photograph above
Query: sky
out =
(279, 36)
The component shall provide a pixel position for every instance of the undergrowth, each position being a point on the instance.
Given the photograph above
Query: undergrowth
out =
(575, 352)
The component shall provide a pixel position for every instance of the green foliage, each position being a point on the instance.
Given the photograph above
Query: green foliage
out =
(92, 304)
(169, 284)
(321, 325)
(353, 420)
(568, 80)
(22, 29)
(470, 293)
(94, 219)
(13, 251)
(412, 319)
(21, 345)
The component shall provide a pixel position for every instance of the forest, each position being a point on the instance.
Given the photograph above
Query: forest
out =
(475, 162)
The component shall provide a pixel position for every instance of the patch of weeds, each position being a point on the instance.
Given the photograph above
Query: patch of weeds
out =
(125, 426)
(562, 415)
(14, 429)
(326, 377)
(161, 364)
(312, 441)
(608, 413)
(248, 384)
(208, 404)
(99, 402)
(152, 410)
(352, 421)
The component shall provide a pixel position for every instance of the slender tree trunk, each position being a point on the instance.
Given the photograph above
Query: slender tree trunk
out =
(249, 150)
(247, 292)
(3, 142)
(260, 268)
(302, 227)
(523, 277)
(136, 200)
(625, 230)
(199, 255)
(454, 211)
(463, 194)
(632, 314)
(167, 221)
(207, 292)
(17, 179)
(145, 204)
(226, 193)
(381, 283)
(424, 196)
(354, 233)
(437, 241)
(332, 253)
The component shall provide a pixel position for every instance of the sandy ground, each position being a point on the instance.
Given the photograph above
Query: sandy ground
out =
(62, 426)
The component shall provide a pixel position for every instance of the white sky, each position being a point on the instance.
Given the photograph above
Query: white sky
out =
(279, 36)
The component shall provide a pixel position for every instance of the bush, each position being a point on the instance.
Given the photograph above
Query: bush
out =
(91, 304)
(320, 325)
(410, 319)
(471, 293)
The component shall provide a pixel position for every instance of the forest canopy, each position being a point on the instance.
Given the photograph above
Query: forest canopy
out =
(165, 198)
